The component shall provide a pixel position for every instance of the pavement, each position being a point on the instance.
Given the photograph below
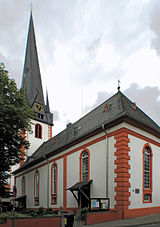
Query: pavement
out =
(139, 221)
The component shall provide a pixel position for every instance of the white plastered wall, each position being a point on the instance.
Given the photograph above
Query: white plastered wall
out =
(111, 174)
(136, 169)
(36, 142)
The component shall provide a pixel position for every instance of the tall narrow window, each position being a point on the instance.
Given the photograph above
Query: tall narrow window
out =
(84, 166)
(23, 185)
(38, 131)
(54, 184)
(36, 188)
(147, 174)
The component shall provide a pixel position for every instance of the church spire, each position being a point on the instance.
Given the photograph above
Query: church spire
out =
(47, 103)
(31, 80)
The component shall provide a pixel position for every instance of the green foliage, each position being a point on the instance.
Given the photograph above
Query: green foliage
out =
(83, 213)
(48, 211)
(40, 211)
(15, 115)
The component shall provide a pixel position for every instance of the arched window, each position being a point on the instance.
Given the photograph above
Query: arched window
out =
(38, 131)
(36, 188)
(23, 185)
(84, 165)
(54, 183)
(147, 174)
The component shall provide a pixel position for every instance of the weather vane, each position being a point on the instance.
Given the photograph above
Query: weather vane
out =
(118, 85)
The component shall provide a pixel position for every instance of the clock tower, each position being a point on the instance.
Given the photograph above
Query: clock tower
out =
(41, 127)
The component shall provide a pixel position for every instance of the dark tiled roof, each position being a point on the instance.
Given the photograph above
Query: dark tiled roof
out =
(116, 109)
(79, 185)
(31, 79)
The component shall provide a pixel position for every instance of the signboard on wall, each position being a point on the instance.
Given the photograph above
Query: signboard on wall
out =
(99, 204)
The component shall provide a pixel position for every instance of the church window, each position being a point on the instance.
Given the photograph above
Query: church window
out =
(38, 131)
(23, 185)
(36, 187)
(54, 184)
(84, 165)
(147, 174)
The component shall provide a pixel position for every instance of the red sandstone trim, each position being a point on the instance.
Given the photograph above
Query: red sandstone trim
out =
(147, 191)
(122, 170)
(50, 131)
(54, 196)
(135, 134)
(39, 133)
(80, 164)
(23, 135)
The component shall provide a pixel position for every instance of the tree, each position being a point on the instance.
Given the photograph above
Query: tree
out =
(15, 115)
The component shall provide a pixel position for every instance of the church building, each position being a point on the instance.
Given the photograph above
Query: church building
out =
(111, 154)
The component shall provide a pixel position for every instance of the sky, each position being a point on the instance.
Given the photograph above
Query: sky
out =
(84, 48)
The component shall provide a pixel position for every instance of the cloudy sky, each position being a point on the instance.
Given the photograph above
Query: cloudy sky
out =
(84, 47)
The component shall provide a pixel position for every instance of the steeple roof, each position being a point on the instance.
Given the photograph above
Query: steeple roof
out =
(31, 80)
(47, 103)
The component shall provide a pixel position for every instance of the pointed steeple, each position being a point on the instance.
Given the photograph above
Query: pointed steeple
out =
(31, 80)
(47, 103)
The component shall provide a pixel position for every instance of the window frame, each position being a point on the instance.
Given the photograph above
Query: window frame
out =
(54, 194)
(147, 191)
(36, 195)
(38, 131)
(23, 183)
(81, 163)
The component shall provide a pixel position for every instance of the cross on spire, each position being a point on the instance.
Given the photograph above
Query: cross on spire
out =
(118, 85)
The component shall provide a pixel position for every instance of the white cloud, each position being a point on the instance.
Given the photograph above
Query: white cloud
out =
(147, 99)
(84, 44)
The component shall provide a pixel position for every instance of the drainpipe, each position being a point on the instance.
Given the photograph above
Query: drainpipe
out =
(107, 160)
(47, 181)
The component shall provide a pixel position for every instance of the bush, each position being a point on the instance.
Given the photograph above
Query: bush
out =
(40, 211)
(48, 211)
(55, 212)
(3, 220)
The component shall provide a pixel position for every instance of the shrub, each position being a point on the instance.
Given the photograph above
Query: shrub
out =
(40, 211)
(48, 211)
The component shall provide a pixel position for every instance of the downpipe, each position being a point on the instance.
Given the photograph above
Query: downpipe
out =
(107, 161)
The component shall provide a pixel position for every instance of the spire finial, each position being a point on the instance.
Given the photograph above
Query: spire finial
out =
(31, 7)
(119, 85)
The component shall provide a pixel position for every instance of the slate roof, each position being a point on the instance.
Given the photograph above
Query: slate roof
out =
(114, 110)
(31, 79)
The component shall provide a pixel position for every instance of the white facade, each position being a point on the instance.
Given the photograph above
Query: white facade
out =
(98, 146)
(34, 141)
